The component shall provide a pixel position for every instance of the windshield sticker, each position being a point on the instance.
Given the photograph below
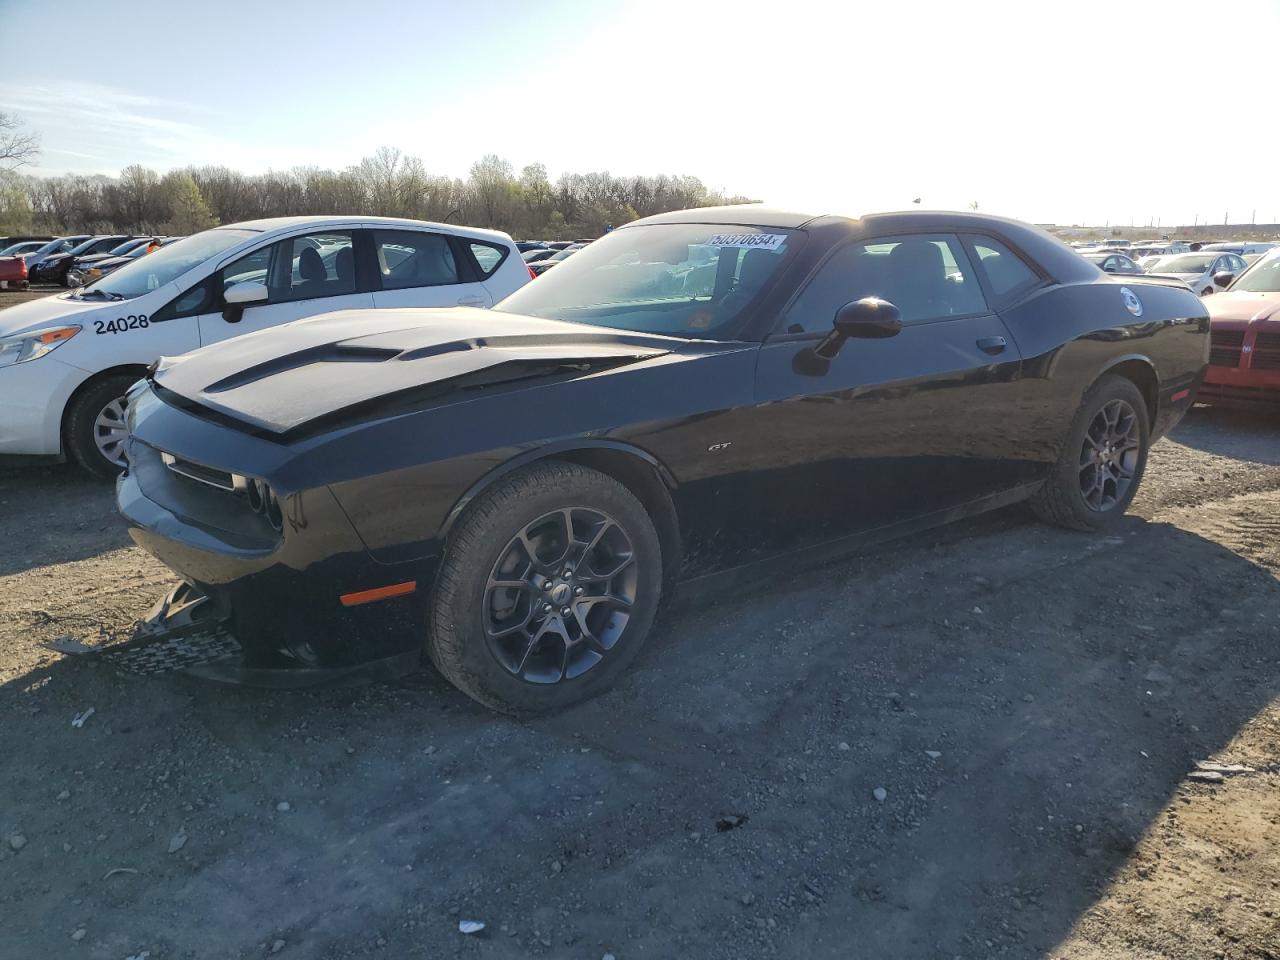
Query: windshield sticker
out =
(752, 241)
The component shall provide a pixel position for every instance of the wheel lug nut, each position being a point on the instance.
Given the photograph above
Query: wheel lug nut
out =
(546, 608)
(568, 571)
(577, 591)
(565, 612)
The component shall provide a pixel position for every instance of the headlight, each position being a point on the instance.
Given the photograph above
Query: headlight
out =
(34, 345)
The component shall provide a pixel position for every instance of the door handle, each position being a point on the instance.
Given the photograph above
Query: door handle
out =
(992, 345)
(471, 301)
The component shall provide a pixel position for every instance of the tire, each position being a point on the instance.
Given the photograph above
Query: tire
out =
(533, 502)
(1063, 500)
(82, 425)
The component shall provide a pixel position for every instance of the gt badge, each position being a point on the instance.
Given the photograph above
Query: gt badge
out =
(1131, 301)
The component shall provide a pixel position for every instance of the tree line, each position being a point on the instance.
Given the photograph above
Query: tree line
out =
(527, 204)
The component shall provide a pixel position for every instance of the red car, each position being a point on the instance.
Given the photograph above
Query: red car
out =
(13, 273)
(1244, 353)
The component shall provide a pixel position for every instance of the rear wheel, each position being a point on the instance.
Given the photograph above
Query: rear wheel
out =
(95, 426)
(549, 585)
(1102, 461)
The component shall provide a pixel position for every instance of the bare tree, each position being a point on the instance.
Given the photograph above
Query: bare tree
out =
(16, 148)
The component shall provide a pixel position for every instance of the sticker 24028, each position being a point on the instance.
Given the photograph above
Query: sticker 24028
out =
(122, 324)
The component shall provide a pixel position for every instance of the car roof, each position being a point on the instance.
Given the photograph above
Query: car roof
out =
(1051, 253)
(272, 224)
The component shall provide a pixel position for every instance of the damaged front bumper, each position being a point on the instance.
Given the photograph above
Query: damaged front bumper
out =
(189, 632)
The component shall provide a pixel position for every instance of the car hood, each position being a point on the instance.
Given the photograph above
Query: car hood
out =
(352, 364)
(1244, 306)
(46, 312)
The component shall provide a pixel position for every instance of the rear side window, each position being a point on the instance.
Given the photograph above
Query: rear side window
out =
(1005, 271)
(487, 255)
(412, 258)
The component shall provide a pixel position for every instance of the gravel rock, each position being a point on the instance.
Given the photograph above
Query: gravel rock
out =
(880, 793)
(17, 841)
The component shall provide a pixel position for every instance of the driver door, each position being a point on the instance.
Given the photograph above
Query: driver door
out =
(891, 429)
(305, 275)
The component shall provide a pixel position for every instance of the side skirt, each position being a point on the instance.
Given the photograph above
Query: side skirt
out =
(829, 550)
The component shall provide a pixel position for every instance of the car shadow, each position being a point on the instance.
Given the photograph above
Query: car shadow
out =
(1029, 700)
(36, 527)
(1249, 434)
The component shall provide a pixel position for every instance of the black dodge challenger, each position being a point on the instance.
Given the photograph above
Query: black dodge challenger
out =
(698, 393)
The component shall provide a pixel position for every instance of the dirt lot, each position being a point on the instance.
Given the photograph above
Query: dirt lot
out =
(1030, 701)
(9, 297)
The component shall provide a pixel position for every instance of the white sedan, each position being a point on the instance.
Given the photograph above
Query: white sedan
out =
(67, 360)
(1199, 271)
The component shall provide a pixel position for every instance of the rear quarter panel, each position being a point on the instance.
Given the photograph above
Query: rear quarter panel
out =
(1070, 335)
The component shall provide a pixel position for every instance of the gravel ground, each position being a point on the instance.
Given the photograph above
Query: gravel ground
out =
(9, 297)
(975, 743)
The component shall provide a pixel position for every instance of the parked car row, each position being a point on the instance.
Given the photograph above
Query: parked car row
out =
(542, 255)
(197, 290)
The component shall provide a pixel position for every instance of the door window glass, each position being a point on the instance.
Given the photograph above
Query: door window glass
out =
(412, 258)
(488, 256)
(319, 265)
(1006, 272)
(926, 277)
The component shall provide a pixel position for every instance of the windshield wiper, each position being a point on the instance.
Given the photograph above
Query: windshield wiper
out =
(82, 294)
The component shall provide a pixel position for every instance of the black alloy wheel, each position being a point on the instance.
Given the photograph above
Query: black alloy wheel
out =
(1110, 455)
(1101, 461)
(560, 595)
(548, 586)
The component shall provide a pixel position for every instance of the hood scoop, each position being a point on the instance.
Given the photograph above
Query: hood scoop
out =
(355, 365)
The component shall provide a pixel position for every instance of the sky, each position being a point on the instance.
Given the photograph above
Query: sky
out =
(1045, 110)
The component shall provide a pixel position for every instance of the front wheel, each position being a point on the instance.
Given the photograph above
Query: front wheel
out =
(95, 426)
(549, 584)
(1102, 461)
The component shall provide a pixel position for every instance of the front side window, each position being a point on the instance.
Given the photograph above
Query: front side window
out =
(925, 277)
(412, 258)
(692, 280)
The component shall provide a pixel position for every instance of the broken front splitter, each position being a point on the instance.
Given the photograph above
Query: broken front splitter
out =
(183, 630)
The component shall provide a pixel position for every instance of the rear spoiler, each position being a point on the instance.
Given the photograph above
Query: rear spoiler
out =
(1150, 279)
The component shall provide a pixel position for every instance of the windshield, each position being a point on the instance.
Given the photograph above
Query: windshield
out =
(1262, 277)
(1192, 263)
(681, 279)
(168, 263)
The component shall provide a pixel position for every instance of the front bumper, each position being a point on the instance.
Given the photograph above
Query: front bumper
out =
(279, 595)
(33, 396)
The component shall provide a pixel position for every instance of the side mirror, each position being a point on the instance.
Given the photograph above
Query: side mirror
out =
(1223, 278)
(241, 295)
(245, 293)
(867, 319)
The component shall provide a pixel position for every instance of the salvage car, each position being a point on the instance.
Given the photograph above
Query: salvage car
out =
(514, 491)
(66, 361)
(1205, 273)
(54, 267)
(13, 273)
(1244, 361)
